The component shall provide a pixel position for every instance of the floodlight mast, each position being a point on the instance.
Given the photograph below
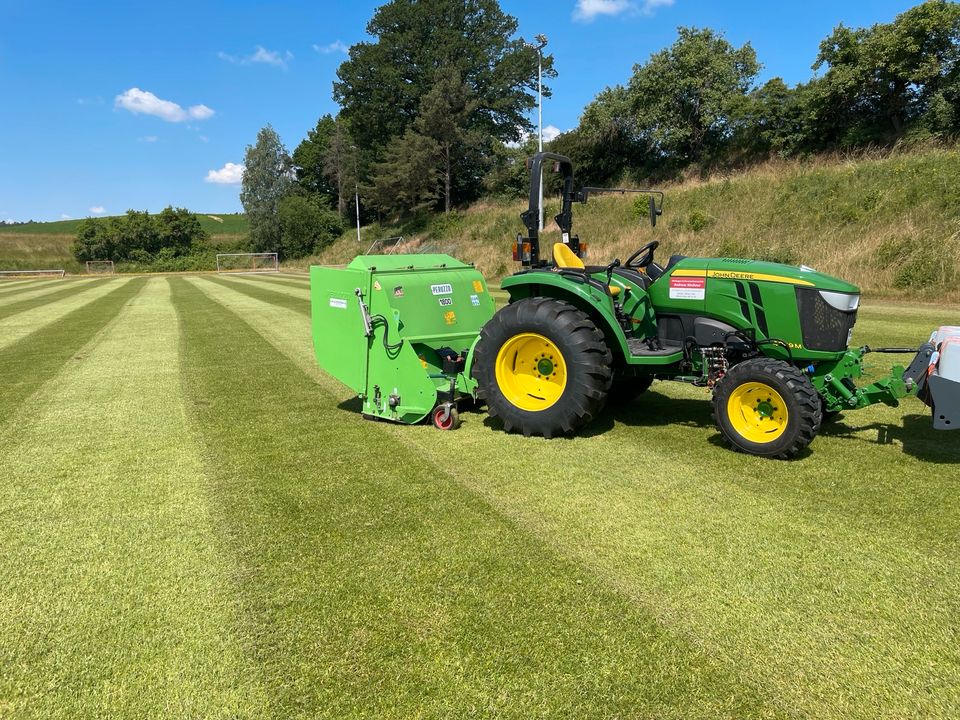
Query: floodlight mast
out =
(541, 44)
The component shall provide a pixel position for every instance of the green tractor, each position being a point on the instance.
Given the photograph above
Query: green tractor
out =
(770, 341)
(414, 335)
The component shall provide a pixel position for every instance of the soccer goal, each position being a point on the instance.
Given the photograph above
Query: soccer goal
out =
(247, 262)
(24, 274)
(99, 266)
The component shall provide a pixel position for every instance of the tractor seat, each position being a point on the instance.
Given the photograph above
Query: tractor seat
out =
(564, 257)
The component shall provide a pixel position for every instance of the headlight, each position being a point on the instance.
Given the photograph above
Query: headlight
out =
(845, 302)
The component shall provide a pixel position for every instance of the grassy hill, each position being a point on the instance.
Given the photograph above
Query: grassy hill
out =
(43, 245)
(215, 224)
(889, 223)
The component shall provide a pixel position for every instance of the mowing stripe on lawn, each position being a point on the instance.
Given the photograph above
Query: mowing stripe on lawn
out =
(39, 291)
(300, 282)
(112, 591)
(12, 287)
(787, 567)
(302, 294)
(376, 586)
(23, 324)
(61, 293)
(39, 354)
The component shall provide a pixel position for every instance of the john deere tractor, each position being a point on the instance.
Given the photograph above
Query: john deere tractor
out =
(770, 341)
(413, 335)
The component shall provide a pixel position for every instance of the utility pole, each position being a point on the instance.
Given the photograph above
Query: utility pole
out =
(356, 189)
(541, 44)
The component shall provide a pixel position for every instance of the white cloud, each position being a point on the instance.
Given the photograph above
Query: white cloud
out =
(64, 216)
(335, 47)
(550, 133)
(147, 139)
(587, 10)
(229, 174)
(143, 102)
(650, 5)
(98, 210)
(260, 55)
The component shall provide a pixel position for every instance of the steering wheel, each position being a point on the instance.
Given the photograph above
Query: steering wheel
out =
(642, 257)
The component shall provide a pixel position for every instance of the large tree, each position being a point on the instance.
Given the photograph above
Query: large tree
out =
(684, 97)
(880, 79)
(381, 88)
(444, 118)
(267, 179)
(310, 163)
(340, 164)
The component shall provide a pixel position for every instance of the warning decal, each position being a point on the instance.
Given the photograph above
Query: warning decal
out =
(688, 288)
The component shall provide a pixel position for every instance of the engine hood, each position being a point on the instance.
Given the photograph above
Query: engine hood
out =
(760, 271)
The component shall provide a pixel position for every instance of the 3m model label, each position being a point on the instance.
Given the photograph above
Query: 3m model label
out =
(688, 288)
(339, 303)
(444, 289)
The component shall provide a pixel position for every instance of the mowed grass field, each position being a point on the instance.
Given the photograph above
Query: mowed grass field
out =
(196, 522)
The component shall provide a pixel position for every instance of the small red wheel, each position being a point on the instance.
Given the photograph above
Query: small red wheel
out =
(446, 417)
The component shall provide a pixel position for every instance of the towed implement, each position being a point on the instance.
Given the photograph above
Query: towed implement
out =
(414, 335)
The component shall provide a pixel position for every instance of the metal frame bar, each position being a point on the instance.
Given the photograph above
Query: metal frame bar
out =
(31, 273)
(100, 262)
(252, 270)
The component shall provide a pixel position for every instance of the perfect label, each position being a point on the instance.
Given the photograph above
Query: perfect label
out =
(688, 288)
(445, 289)
(338, 303)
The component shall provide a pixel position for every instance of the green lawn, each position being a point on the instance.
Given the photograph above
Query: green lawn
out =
(195, 522)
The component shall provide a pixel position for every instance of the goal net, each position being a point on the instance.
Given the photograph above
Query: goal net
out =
(24, 274)
(99, 266)
(247, 262)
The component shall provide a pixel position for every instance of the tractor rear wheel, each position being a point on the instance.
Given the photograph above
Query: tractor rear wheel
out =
(542, 367)
(767, 407)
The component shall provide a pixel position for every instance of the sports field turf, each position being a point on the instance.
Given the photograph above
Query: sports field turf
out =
(196, 522)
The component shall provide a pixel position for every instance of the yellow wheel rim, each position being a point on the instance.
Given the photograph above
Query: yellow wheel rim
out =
(757, 412)
(531, 372)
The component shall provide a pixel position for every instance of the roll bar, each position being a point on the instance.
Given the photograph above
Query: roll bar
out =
(527, 250)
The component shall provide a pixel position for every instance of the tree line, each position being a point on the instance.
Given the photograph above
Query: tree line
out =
(434, 114)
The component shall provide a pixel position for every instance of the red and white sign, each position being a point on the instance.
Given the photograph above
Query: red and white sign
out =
(688, 288)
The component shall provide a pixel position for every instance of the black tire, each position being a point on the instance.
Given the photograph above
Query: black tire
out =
(627, 388)
(829, 416)
(585, 355)
(803, 409)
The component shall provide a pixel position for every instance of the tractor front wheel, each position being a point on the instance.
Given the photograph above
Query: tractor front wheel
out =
(542, 367)
(767, 407)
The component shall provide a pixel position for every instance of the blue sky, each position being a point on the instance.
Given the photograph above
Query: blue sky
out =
(114, 105)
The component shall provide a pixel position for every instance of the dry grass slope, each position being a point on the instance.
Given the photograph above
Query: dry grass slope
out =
(889, 223)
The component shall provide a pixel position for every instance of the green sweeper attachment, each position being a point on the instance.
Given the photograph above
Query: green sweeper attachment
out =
(399, 330)
(414, 334)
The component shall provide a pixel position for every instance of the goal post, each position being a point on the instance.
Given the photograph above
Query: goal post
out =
(247, 262)
(26, 274)
(99, 267)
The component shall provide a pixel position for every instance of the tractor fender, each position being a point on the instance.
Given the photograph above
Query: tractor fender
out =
(467, 383)
(583, 296)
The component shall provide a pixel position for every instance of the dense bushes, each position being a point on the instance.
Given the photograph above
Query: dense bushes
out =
(306, 227)
(140, 237)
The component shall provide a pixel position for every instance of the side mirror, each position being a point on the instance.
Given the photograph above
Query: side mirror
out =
(653, 211)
